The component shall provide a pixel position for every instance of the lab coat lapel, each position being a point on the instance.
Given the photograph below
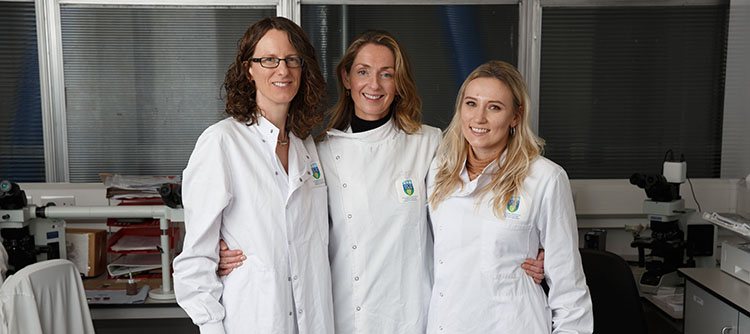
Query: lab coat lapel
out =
(298, 164)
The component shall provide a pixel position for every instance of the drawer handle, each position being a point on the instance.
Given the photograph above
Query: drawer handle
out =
(726, 329)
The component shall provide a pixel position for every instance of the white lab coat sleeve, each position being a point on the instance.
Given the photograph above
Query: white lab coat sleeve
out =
(3, 263)
(568, 296)
(206, 191)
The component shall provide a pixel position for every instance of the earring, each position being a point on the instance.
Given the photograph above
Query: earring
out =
(347, 92)
(512, 131)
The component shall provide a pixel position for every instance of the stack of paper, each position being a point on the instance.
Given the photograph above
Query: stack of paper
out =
(134, 263)
(136, 243)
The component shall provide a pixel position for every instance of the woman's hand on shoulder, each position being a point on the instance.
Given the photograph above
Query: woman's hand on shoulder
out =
(228, 259)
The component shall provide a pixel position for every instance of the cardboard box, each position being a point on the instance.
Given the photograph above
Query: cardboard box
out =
(87, 249)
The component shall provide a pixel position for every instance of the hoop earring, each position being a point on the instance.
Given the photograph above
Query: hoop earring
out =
(512, 131)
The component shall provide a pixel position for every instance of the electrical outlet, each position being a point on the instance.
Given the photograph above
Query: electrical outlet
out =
(59, 200)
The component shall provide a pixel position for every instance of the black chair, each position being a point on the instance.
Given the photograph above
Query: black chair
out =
(614, 295)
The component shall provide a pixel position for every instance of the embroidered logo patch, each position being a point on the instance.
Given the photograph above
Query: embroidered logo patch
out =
(315, 170)
(513, 203)
(406, 190)
(408, 186)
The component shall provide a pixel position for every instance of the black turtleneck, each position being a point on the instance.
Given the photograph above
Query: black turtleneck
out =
(361, 125)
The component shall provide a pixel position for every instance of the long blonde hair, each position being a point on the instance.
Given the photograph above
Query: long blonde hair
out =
(406, 106)
(522, 148)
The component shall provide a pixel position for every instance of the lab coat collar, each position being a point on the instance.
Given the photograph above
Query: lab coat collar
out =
(380, 133)
(298, 159)
(269, 133)
(483, 178)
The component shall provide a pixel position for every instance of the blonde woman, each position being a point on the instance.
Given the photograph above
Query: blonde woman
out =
(376, 154)
(493, 201)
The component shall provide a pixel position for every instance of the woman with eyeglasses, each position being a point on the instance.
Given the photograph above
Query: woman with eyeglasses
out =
(493, 200)
(255, 180)
(376, 153)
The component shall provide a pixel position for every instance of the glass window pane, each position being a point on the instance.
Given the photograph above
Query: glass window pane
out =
(21, 138)
(621, 86)
(142, 83)
(444, 43)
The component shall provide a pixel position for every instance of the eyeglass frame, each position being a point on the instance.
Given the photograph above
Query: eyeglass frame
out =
(278, 61)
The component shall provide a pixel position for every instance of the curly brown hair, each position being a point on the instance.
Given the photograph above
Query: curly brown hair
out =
(406, 106)
(306, 109)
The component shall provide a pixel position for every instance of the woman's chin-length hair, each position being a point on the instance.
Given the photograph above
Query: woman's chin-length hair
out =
(406, 106)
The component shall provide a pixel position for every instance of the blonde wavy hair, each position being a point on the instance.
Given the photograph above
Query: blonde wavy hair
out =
(522, 148)
(406, 106)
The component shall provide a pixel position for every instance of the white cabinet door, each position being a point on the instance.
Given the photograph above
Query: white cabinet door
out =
(706, 314)
(744, 324)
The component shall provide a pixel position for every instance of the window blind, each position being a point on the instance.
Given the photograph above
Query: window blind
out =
(142, 83)
(621, 86)
(21, 137)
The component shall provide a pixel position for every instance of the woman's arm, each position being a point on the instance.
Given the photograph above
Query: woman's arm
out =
(230, 259)
(206, 192)
(568, 296)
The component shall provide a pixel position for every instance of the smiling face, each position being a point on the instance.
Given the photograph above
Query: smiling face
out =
(275, 87)
(487, 114)
(371, 81)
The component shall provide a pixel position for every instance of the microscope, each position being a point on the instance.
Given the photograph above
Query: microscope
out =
(669, 244)
(26, 238)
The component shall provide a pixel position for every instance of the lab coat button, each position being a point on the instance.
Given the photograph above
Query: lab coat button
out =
(344, 185)
(356, 278)
(359, 308)
(441, 294)
(349, 216)
(277, 173)
(338, 157)
(263, 140)
(441, 327)
(441, 262)
(300, 311)
(295, 277)
(290, 313)
(354, 246)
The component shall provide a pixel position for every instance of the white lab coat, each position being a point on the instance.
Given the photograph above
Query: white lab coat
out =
(45, 297)
(3, 263)
(480, 286)
(380, 247)
(235, 188)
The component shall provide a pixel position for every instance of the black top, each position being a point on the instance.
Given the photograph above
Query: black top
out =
(361, 125)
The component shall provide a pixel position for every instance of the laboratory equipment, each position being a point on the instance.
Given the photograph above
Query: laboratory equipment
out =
(677, 239)
(37, 219)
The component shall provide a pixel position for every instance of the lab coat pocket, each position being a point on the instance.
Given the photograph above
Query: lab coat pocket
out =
(505, 246)
(409, 192)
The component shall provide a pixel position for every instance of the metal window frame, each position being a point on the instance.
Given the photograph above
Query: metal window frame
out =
(52, 83)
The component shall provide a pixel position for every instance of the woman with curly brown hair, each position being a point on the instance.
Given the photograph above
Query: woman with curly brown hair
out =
(254, 179)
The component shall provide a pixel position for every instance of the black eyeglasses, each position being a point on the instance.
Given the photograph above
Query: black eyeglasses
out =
(272, 62)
